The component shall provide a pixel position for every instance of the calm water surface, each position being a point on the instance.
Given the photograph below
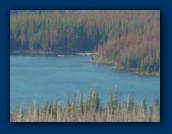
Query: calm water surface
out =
(50, 78)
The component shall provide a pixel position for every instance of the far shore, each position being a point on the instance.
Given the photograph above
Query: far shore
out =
(39, 53)
(129, 70)
(53, 53)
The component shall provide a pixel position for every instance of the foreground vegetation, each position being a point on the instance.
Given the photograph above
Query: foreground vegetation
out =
(89, 110)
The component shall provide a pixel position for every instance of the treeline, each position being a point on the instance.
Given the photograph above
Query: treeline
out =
(126, 38)
(89, 110)
(60, 30)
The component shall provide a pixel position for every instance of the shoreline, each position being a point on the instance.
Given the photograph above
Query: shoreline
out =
(40, 53)
(129, 70)
(51, 53)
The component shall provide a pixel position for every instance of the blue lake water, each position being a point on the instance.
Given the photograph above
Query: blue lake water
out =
(50, 78)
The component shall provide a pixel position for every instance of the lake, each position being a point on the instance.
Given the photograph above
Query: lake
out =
(50, 78)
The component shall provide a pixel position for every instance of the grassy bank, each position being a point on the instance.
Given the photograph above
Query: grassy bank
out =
(89, 110)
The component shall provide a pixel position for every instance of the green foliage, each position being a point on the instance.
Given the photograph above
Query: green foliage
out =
(93, 101)
(130, 103)
(58, 30)
(82, 103)
(144, 106)
(136, 44)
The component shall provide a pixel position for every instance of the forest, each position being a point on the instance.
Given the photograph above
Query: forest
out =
(128, 39)
(89, 109)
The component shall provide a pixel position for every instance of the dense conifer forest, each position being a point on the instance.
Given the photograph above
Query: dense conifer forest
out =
(128, 39)
(89, 109)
